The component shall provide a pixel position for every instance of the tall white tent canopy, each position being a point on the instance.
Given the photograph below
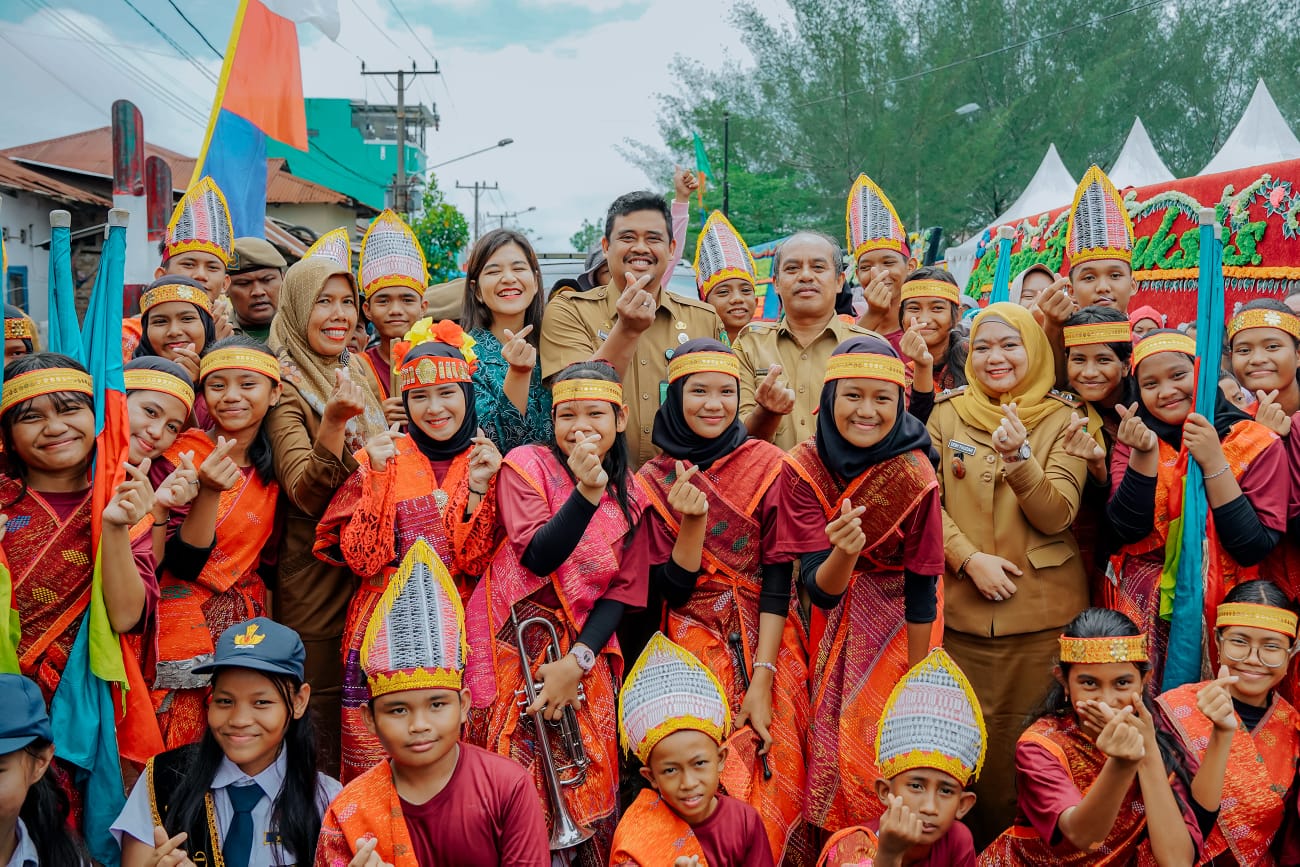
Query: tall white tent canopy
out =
(1262, 136)
(1052, 186)
(1138, 163)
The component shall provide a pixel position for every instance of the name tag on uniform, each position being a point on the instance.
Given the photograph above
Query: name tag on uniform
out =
(271, 838)
(961, 447)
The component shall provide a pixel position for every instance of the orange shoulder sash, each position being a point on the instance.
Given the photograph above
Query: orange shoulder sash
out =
(650, 833)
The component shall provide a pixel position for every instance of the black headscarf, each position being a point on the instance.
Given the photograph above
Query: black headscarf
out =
(1226, 413)
(673, 434)
(842, 457)
(443, 450)
(144, 348)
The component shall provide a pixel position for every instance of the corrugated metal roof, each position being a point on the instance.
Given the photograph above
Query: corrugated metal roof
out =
(91, 153)
(19, 177)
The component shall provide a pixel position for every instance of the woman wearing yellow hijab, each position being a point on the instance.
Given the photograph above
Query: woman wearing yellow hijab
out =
(1010, 493)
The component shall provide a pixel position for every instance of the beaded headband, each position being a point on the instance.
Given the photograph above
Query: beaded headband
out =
(174, 292)
(1256, 615)
(667, 691)
(20, 329)
(1126, 648)
(703, 362)
(865, 365)
(586, 389)
(1263, 319)
(1155, 343)
(238, 358)
(163, 383)
(930, 289)
(35, 383)
(1098, 332)
(433, 370)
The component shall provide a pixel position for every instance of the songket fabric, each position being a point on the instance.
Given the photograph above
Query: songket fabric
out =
(726, 602)
(193, 614)
(369, 526)
(859, 648)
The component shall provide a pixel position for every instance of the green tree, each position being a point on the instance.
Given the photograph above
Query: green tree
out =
(443, 233)
(587, 236)
(873, 86)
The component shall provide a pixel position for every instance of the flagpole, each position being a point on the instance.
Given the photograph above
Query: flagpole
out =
(726, 159)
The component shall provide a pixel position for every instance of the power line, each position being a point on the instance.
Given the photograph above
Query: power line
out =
(382, 32)
(193, 27)
(173, 43)
(986, 54)
(76, 91)
(411, 30)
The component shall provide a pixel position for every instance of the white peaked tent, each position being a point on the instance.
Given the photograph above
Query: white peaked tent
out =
(1262, 136)
(1052, 186)
(1138, 163)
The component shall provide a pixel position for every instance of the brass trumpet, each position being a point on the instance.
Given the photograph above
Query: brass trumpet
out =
(566, 832)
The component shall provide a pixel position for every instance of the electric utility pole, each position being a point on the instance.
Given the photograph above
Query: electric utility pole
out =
(479, 188)
(399, 191)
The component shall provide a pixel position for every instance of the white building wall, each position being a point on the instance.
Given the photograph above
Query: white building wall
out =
(25, 219)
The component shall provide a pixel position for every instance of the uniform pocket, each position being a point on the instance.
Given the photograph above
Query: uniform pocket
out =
(1049, 556)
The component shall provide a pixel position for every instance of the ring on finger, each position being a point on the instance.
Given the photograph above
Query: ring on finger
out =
(997, 597)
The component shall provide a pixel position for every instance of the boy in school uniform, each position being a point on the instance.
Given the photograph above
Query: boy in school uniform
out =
(437, 801)
(930, 747)
(674, 715)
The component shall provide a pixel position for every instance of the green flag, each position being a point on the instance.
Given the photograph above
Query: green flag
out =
(702, 160)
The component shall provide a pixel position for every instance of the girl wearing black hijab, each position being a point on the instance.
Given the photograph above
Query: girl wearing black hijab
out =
(867, 478)
(433, 483)
(1245, 469)
(712, 526)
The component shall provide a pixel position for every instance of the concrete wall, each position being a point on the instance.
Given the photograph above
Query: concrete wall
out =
(320, 218)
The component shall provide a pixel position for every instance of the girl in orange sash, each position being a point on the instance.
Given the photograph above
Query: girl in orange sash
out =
(1097, 782)
(1243, 733)
(215, 553)
(1264, 344)
(867, 478)
(712, 529)
(434, 484)
(47, 420)
(1244, 464)
(569, 511)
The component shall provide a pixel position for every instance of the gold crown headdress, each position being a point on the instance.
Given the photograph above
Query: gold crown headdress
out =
(668, 690)
(416, 636)
(721, 254)
(932, 720)
(201, 221)
(1099, 227)
(391, 255)
(871, 220)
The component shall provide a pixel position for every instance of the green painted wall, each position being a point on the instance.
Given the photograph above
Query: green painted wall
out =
(341, 159)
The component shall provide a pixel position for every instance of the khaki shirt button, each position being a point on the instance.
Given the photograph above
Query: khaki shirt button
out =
(804, 356)
(989, 458)
(645, 430)
(802, 389)
(643, 361)
(803, 422)
(988, 477)
(645, 396)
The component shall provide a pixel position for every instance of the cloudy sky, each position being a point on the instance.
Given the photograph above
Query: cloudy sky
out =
(568, 80)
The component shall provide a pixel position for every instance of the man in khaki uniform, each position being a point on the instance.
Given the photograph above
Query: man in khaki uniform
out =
(783, 364)
(631, 322)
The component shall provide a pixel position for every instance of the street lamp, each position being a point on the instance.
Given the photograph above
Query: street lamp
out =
(968, 108)
(500, 144)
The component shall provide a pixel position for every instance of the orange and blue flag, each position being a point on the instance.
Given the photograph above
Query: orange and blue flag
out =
(259, 95)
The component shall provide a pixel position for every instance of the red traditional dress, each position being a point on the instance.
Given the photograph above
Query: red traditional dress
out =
(1261, 773)
(369, 526)
(744, 491)
(1256, 459)
(859, 648)
(193, 614)
(532, 485)
(1056, 765)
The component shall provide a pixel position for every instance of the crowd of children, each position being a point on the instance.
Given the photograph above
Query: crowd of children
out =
(620, 579)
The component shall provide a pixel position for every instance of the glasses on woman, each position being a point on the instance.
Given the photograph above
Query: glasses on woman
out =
(1271, 654)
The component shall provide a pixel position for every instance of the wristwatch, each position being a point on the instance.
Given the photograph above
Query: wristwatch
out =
(585, 658)
(1022, 454)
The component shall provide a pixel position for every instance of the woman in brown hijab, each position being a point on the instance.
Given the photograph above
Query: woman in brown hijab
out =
(329, 407)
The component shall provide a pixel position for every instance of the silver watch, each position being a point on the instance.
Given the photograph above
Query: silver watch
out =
(1022, 454)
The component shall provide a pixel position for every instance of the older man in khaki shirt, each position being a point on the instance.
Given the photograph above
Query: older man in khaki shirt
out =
(632, 323)
(783, 364)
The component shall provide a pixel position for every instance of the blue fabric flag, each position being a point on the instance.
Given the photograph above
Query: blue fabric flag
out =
(236, 161)
(65, 332)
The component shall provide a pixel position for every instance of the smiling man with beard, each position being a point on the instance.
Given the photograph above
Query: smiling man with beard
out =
(630, 322)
